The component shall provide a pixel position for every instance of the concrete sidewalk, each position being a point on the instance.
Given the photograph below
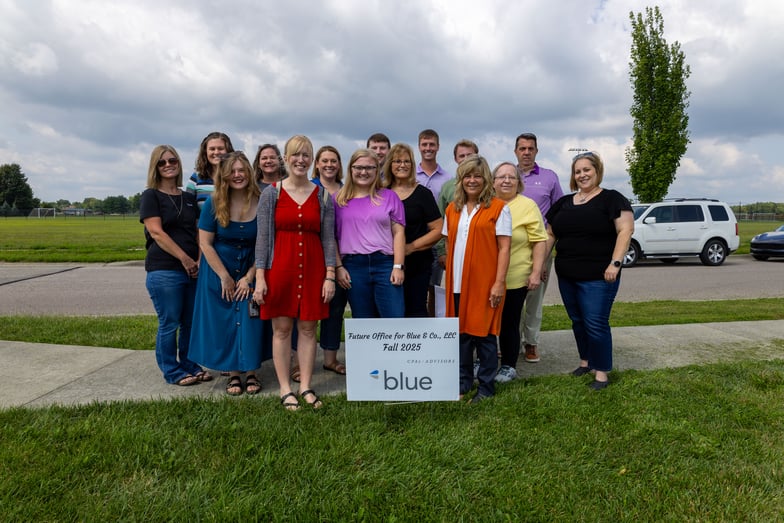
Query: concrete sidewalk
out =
(34, 375)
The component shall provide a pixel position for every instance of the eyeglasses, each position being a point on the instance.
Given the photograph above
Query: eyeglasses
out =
(588, 154)
(363, 168)
(170, 161)
(401, 162)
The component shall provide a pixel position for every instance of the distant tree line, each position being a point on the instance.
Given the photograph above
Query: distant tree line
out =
(16, 198)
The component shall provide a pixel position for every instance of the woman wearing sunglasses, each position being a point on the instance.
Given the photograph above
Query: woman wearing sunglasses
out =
(169, 216)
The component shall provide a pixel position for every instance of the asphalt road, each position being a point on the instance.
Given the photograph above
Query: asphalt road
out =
(118, 288)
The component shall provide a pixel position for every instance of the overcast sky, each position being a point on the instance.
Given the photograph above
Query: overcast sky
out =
(88, 88)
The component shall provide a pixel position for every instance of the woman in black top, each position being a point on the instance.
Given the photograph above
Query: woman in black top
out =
(423, 226)
(591, 230)
(169, 215)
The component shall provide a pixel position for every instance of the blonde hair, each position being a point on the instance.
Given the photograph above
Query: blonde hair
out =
(153, 175)
(348, 190)
(399, 149)
(471, 164)
(221, 196)
(296, 144)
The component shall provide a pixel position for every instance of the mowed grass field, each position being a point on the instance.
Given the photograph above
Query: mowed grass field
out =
(72, 239)
(121, 238)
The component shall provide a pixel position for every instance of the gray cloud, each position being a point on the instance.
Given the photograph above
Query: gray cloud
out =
(89, 87)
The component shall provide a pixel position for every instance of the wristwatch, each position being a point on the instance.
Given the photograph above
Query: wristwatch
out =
(616, 263)
(399, 266)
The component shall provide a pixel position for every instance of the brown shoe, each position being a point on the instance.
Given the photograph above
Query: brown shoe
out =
(531, 356)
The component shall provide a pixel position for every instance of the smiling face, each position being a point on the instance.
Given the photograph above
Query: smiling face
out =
(402, 167)
(506, 182)
(269, 164)
(168, 166)
(381, 149)
(363, 173)
(238, 177)
(473, 183)
(584, 175)
(462, 152)
(215, 148)
(328, 165)
(299, 162)
(428, 148)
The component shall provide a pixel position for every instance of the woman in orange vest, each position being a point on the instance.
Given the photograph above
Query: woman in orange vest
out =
(478, 230)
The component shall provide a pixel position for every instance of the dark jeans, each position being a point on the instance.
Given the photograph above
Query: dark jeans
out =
(372, 294)
(589, 304)
(415, 290)
(332, 327)
(486, 348)
(509, 339)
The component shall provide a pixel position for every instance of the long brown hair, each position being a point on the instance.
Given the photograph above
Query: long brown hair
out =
(221, 196)
(328, 149)
(203, 166)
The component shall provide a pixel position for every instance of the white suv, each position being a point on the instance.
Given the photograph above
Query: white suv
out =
(672, 229)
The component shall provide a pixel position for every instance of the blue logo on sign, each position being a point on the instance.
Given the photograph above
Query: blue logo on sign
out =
(374, 374)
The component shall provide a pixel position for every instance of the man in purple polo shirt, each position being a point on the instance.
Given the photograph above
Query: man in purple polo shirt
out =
(543, 187)
(432, 176)
(429, 173)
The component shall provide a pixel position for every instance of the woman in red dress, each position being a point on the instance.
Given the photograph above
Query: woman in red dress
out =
(295, 267)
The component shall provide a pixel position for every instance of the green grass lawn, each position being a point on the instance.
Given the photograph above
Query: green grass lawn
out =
(699, 443)
(689, 444)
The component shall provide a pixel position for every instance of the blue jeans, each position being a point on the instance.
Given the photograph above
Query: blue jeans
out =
(372, 295)
(588, 304)
(172, 294)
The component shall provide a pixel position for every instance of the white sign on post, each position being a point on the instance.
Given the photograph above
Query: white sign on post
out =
(402, 359)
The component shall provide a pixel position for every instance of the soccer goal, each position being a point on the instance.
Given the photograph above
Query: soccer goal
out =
(42, 212)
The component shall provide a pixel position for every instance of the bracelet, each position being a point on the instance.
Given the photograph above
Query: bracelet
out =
(338, 267)
(330, 279)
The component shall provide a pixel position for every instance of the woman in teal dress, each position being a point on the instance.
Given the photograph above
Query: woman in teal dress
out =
(224, 336)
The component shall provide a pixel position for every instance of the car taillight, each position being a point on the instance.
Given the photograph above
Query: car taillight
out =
(736, 229)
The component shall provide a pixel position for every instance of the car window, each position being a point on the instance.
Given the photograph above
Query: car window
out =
(718, 213)
(638, 210)
(662, 214)
(689, 213)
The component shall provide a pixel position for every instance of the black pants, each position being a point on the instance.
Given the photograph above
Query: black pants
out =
(509, 339)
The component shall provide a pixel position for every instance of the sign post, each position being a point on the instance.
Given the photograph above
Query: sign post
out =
(402, 359)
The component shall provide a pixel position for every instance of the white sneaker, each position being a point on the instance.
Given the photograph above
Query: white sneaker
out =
(505, 374)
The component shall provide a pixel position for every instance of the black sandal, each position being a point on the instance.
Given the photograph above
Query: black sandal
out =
(252, 381)
(234, 383)
(316, 403)
(287, 404)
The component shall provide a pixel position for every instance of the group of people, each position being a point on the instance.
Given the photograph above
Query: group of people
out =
(247, 260)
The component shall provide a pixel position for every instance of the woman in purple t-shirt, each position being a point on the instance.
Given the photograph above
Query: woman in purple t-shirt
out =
(370, 225)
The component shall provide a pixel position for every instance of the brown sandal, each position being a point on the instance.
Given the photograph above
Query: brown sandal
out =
(234, 383)
(337, 368)
(295, 373)
(252, 381)
(187, 381)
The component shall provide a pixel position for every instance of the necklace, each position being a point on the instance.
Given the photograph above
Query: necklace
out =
(179, 209)
(582, 199)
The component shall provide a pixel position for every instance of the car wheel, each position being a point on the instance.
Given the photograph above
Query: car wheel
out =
(760, 257)
(632, 255)
(714, 253)
(668, 261)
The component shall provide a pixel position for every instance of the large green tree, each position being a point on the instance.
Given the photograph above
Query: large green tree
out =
(658, 72)
(15, 193)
